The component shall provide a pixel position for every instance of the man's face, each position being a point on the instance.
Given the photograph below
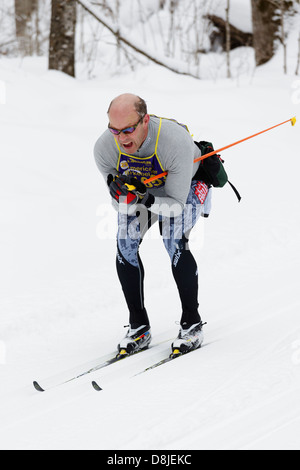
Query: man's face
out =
(120, 119)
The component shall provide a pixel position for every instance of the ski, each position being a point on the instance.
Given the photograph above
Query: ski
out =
(102, 363)
(174, 355)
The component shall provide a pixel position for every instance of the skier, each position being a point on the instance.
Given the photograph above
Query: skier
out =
(137, 146)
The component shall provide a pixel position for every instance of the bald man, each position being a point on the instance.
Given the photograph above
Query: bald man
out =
(135, 147)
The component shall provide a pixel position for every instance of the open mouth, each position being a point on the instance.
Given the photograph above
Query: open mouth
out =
(127, 146)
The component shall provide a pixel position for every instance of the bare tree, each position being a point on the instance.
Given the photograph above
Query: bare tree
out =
(282, 34)
(24, 10)
(62, 36)
(264, 29)
(298, 58)
(164, 62)
(170, 42)
(297, 12)
(268, 19)
(228, 39)
(117, 35)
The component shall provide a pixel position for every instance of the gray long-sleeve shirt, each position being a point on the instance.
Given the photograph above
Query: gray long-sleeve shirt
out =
(176, 152)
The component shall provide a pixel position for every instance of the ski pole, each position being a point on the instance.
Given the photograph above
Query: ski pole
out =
(291, 120)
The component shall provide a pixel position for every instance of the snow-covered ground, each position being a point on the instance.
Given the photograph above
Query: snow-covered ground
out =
(61, 304)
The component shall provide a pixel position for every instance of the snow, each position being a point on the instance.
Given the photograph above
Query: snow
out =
(61, 304)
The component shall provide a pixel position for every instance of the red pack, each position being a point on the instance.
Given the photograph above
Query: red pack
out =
(201, 190)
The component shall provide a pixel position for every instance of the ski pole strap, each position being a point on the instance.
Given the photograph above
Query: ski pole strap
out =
(239, 197)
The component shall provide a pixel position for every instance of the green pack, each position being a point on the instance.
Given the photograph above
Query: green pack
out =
(211, 169)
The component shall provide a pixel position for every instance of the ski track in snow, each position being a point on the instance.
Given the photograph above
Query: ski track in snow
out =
(61, 305)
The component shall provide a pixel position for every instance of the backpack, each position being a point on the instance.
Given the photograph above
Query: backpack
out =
(211, 169)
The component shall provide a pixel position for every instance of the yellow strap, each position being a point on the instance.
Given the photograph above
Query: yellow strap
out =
(160, 121)
(119, 158)
(155, 151)
(117, 144)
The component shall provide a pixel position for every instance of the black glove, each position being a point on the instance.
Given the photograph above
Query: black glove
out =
(117, 186)
(132, 190)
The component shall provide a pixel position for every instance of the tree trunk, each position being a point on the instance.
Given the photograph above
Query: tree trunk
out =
(170, 42)
(62, 36)
(117, 37)
(283, 38)
(264, 29)
(23, 20)
(228, 39)
(298, 59)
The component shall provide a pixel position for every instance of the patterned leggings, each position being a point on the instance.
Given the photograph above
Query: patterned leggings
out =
(175, 232)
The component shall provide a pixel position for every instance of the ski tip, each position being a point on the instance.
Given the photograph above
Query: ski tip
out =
(37, 386)
(123, 353)
(175, 353)
(96, 386)
(293, 121)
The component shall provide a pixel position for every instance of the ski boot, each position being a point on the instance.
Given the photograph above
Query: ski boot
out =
(187, 340)
(135, 340)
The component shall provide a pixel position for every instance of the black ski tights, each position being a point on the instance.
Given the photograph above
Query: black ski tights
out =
(184, 269)
(132, 282)
(185, 273)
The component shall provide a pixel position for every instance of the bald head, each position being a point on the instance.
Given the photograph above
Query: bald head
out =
(126, 103)
(128, 110)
